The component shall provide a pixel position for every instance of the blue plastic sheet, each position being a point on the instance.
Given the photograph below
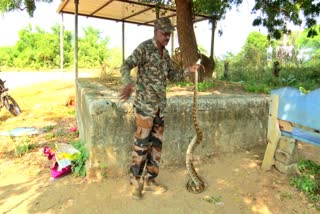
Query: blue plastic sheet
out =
(21, 131)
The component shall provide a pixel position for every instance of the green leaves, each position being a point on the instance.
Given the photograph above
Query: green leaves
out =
(308, 166)
(308, 180)
(304, 182)
(277, 15)
(12, 5)
(78, 166)
(203, 86)
(23, 149)
(38, 49)
(92, 48)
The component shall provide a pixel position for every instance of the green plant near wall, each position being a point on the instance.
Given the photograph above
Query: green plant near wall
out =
(23, 145)
(257, 87)
(308, 180)
(48, 128)
(183, 84)
(203, 86)
(20, 150)
(78, 166)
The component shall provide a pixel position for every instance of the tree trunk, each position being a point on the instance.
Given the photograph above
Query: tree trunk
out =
(186, 35)
(213, 30)
(226, 69)
(276, 69)
(188, 47)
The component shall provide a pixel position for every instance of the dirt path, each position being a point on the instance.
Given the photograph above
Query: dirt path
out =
(235, 184)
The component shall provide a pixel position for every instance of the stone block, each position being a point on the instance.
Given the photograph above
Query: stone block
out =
(286, 169)
(287, 145)
(286, 158)
(283, 157)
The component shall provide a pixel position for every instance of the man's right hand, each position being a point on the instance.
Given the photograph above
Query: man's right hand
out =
(126, 92)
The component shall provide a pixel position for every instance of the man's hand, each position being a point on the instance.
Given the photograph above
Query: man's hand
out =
(126, 92)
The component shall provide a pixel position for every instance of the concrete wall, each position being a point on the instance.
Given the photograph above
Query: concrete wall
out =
(229, 123)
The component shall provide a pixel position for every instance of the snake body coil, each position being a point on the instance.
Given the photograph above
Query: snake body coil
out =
(194, 184)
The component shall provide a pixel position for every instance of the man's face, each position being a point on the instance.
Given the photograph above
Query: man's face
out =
(162, 37)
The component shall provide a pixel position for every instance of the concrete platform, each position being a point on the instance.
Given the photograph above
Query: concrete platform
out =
(229, 123)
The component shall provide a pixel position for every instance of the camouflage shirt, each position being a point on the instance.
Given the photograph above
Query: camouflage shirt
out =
(153, 72)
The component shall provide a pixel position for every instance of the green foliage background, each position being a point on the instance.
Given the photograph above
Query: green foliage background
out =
(37, 49)
(308, 181)
(297, 54)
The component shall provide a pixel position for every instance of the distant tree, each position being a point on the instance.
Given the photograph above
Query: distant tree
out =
(276, 15)
(92, 48)
(5, 57)
(68, 53)
(185, 16)
(114, 60)
(309, 47)
(252, 60)
(287, 50)
(37, 48)
(13, 5)
(255, 50)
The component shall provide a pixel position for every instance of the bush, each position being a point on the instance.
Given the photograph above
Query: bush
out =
(308, 180)
(78, 166)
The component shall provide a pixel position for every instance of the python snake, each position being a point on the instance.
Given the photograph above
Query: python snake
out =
(194, 184)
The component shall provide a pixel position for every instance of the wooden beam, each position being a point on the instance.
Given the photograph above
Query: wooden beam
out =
(153, 5)
(285, 126)
(112, 19)
(62, 6)
(152, 21)
(137, 13)
(274, 134)
(100, 8)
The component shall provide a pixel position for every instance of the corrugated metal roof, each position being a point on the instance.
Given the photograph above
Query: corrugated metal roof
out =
(131, 11)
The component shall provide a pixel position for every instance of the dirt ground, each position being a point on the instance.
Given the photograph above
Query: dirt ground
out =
(234, 184)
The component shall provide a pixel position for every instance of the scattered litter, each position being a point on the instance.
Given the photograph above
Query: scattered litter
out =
(73, 129)
(216, 200)
(66, 151)
(21, 131)
(61, 159)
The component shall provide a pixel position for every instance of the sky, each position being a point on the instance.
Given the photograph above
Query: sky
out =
(236, 27)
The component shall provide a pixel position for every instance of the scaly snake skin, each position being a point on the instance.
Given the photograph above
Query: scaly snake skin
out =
(194, 184)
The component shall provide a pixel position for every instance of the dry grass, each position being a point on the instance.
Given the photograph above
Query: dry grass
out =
(43, 107)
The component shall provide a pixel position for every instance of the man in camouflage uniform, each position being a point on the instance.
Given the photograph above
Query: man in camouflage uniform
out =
(154, 68)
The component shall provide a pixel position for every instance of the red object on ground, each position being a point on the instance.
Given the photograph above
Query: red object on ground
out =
(73, 129)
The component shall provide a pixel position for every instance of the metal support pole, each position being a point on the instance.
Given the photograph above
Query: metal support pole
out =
(61, 44)
(213, 22)
(123, 38)
(172, 43)
(76, 4)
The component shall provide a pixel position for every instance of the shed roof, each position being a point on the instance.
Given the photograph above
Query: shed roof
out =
(131, 11)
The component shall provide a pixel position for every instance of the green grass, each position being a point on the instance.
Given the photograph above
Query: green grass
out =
(42, 108)
(308, 181)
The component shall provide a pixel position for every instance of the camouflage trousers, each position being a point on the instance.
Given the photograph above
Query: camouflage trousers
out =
(147, 146)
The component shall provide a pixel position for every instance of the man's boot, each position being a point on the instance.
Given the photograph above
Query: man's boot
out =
(153, 186)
